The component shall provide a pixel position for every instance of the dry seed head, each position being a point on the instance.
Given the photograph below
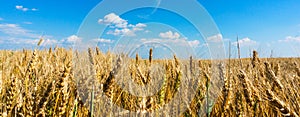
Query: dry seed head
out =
(98, 52)
(150, 55)
(64, 86)
(200, 65)
(1, 81)
(282, 106)
(45, 99)
(91, 57)
(176, 61)
(297, 68)
(141, 75)
(222, 76)
(238, 104)
(207, 78)
(255, 59)
(247, 86)
(227, 90)
(277, 70)
(40, 41)
(29, 103)
(191, 65)
(12, 90)
(137, 58)
(272, 77)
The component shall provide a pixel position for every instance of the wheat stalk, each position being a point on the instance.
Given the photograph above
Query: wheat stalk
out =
(272, 77)
(255, 59)
(283, 107)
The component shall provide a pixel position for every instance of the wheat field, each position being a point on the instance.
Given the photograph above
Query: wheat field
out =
(53, 82)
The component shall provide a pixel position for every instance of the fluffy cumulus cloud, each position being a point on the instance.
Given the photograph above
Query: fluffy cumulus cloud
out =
(22, 8)
(291, 39)
(65, 42)
(113, 20)
(73, 39)
(119, 26)
(138, 27)
(169, 35)
(245, 42)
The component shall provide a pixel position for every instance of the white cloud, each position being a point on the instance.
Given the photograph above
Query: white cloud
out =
(147, 31)
(45, 42)
(22, 8)
(173, 37)
(215, 38)
(194, 43)
(27, 22)
(169, 35)
(291, 39)
(26, 42)
(113, 20)
(15, 34)
(34, 9)
(73, 39)
(49, 42)
(164, 40)
(101, 40)
(245, 42)
(15, 30)
(123, 32)
(139, 27)
(119, 26)
(32, 42)
(19, 7)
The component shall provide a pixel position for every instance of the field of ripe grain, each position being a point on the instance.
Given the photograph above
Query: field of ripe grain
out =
(54, 83)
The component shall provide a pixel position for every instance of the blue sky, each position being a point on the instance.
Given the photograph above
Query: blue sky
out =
(260, 25)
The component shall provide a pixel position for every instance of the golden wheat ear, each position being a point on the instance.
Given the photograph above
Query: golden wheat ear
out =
(281, 105)
(255, 59)
(272, 77)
